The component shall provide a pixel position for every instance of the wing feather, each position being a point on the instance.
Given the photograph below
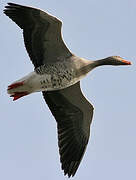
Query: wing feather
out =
(42, 33)
(73, 114)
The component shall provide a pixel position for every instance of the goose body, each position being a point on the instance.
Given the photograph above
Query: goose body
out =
(57, 75)
(53, 76)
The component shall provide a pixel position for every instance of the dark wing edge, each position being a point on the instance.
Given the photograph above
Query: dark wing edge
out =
(41, 31)
(73, 114)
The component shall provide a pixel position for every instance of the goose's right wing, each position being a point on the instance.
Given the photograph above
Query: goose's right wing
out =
(42, 33)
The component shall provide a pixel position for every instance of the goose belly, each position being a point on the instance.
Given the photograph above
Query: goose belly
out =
(56, 81)
(48, 78)
(55, 76)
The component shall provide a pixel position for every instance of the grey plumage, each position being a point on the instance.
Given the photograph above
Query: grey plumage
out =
(36, 24)
(73, 114)
(57, 73)
(42, 33)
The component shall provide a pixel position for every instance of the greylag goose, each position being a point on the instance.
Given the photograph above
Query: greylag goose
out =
(57, 74)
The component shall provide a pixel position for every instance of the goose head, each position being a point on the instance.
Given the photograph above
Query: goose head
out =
(112, 60)
(116, 60)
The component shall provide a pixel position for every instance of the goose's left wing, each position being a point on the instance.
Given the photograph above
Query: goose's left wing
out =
(73, 114)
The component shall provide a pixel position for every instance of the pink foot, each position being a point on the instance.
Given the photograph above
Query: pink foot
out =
(15, 85)
(18, 95)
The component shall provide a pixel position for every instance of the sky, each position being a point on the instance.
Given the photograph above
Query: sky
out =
(92, 29)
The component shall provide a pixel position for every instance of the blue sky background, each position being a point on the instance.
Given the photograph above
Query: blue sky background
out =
(92, 29)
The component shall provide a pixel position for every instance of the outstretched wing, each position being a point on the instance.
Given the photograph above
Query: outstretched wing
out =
(42, 33)
(73, 114)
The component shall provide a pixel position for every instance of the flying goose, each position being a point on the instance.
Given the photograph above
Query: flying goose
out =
(57, 74)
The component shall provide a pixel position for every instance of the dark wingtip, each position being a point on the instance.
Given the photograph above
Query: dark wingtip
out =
(71, 169)
(12, 4)
(7, 7)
